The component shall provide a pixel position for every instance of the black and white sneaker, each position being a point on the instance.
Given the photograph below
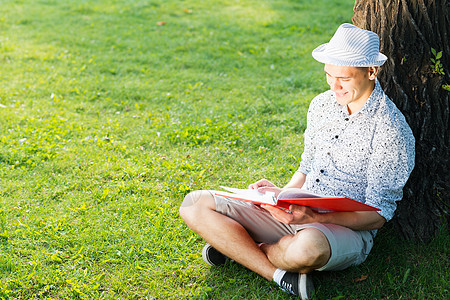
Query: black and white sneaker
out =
(213, 257)
(297, 284)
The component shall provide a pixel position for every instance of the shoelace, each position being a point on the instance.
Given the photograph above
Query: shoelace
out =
(287, 286)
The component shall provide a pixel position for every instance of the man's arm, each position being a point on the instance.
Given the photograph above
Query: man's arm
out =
(264, 185)
(358, 220)
(297, 180)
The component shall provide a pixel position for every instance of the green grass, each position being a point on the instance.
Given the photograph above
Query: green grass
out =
(108, 119)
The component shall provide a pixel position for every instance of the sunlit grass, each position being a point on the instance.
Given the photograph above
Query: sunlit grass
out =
(111, 111)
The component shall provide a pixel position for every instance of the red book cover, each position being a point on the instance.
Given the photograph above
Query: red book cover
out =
(298, 197)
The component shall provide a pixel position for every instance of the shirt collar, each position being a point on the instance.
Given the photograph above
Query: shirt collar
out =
(373, 102)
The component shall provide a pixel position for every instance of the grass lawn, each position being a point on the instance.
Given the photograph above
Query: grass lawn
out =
(111, 111)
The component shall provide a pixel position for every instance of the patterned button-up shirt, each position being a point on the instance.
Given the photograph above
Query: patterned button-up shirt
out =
(366, 156)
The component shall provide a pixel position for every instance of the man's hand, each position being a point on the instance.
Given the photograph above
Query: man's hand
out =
(355, 220)
(264, 186)
(261, 183)
(297, 214)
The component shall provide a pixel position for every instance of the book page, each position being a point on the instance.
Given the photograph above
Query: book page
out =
(295, 193)
(250, 194)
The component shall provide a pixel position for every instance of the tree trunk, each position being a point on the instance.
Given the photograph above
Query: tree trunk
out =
(408, 29)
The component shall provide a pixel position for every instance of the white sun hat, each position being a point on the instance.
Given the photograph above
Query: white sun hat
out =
(352, 47)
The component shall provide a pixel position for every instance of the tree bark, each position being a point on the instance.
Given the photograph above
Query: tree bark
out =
(408, 29)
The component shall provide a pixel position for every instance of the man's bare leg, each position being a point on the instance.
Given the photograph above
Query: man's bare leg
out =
(224, 234)
(303, 252)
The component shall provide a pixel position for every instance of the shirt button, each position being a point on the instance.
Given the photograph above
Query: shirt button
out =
(321, 171)
(317, 180)
(336, 136)
(346, 119)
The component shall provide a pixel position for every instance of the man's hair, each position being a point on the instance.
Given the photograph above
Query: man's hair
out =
(364, 69)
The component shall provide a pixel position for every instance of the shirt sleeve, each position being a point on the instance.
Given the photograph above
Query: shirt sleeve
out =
(307, 155)
(309, 148)
(390, 165)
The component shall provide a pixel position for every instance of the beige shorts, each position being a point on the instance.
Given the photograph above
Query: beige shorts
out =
(348, 247)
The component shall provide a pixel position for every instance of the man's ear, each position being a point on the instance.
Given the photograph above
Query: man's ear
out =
(373, 72)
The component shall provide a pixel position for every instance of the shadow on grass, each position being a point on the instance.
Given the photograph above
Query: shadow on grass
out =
(394, 269)
(233, 281)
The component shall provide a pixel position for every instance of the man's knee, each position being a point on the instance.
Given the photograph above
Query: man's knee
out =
(193, 204)
(309, 249)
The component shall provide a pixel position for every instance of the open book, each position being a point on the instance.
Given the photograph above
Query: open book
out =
(296, 196)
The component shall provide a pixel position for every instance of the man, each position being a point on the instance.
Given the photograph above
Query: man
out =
(357, 144)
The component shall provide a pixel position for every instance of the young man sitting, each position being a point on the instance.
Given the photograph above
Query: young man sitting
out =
(357, 145)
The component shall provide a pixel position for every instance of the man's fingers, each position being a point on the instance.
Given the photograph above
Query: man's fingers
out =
(262, 189)
(261, 183)
(278, 213)
(273, 189)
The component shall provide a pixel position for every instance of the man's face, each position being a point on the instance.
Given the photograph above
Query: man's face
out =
(352, 85)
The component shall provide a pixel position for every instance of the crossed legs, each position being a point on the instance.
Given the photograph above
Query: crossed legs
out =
(302, 252)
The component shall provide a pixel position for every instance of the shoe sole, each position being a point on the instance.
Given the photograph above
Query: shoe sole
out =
(305, 286)
(206, 256)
